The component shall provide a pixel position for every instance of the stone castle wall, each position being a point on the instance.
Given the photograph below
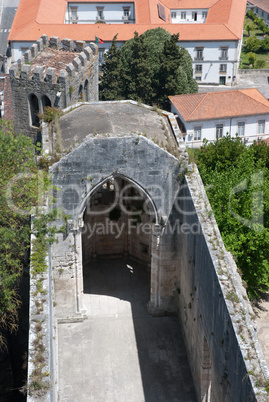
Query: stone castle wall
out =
(43, 86)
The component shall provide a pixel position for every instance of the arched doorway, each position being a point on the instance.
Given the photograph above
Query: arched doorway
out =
(45, 101)
(80, 93)
(34, 110)
(86, 90)
(118, 224)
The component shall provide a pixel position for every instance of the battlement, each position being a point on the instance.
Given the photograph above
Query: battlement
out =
(52, 73)
(53, 60)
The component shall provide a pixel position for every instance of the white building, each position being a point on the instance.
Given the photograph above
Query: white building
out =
(211, 115)
(211, 30)
(261, 8)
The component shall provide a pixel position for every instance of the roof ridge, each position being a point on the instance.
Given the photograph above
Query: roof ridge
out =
(256, 100)
(206, 93)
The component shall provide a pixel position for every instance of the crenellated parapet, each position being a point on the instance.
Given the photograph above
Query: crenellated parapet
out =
(30, 66)
(52, 72)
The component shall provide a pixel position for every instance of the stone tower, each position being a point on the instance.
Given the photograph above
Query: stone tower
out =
(52, 73)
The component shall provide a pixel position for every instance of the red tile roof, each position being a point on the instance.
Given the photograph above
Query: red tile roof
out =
(217, 105)
(37, 17)
(262, 4)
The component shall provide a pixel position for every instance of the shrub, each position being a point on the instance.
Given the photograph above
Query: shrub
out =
(251, 57)
(253, 44)
(260, 63)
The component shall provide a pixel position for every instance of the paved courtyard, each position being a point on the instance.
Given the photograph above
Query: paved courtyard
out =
(121, 353)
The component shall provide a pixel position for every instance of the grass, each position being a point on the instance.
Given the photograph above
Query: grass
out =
(261, 54)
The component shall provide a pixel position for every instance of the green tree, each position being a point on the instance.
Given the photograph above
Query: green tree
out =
(265, 43)
(173, 76)
(251, 58)
(20, 186)
(110, 85)
(253, 44)
(237, 182)
(249, 28)
(141, 59)
(137, 75)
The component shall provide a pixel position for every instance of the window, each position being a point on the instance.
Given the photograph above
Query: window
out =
(262, 13)
(183, 15)
(219, 131)
(267, 16)
(224, 53)
(257, 10)
(198, 78)
(261, 126)
(174, 15)
(199, 53)
(194, 16)
(197, 133)
(222, 80)
(101, 55)
(223, 68)
(126, 13)
(241, 128)
(74, 15)
(198, 68)
(100, 13)
(204, 14)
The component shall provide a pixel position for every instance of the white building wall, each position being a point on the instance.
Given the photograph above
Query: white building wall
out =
(19, 48)
(211, 60)
(87, 12)
(189, 16)
(230, 126)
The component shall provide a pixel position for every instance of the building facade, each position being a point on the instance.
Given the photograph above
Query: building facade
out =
(210, 30)
(212, 115)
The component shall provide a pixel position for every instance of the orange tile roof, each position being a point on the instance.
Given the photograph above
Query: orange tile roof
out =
(262, 4)
(37, 17)
(217, 105)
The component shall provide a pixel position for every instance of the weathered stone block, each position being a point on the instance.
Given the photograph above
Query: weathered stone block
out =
(88, 52)
(77, 64)
(21, 61)
(13, 71)
(70, 68)
(38, 73)
(34, 50)
(39, 43)
(83, 59)
(94, 48)
(51, 75)
(25, 71)
(62, 78)
(68, 45)
(45, 40)
(55, 42)
(80, 45)
(28, 56)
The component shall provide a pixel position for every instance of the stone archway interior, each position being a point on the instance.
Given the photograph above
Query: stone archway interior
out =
(34, 110)
(118, 222)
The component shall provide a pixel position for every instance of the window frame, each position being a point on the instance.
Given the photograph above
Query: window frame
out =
(100, 13)
(221, 69)
(204, 14)
(199, 50)
(198, 68)
(222, 50)
(73, 9)
(183, 15)
(241, 124)
(197, 129)
(219, 129)
(261, 123)
(173, 15)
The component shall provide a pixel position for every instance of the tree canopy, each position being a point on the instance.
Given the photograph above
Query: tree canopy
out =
(147, 68)
(20, 189)
(237, 182)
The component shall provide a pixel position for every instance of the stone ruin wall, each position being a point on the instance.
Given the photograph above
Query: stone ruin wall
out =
(42, 81)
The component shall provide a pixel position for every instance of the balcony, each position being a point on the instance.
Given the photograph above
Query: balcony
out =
(199, 58)
(126, 17)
